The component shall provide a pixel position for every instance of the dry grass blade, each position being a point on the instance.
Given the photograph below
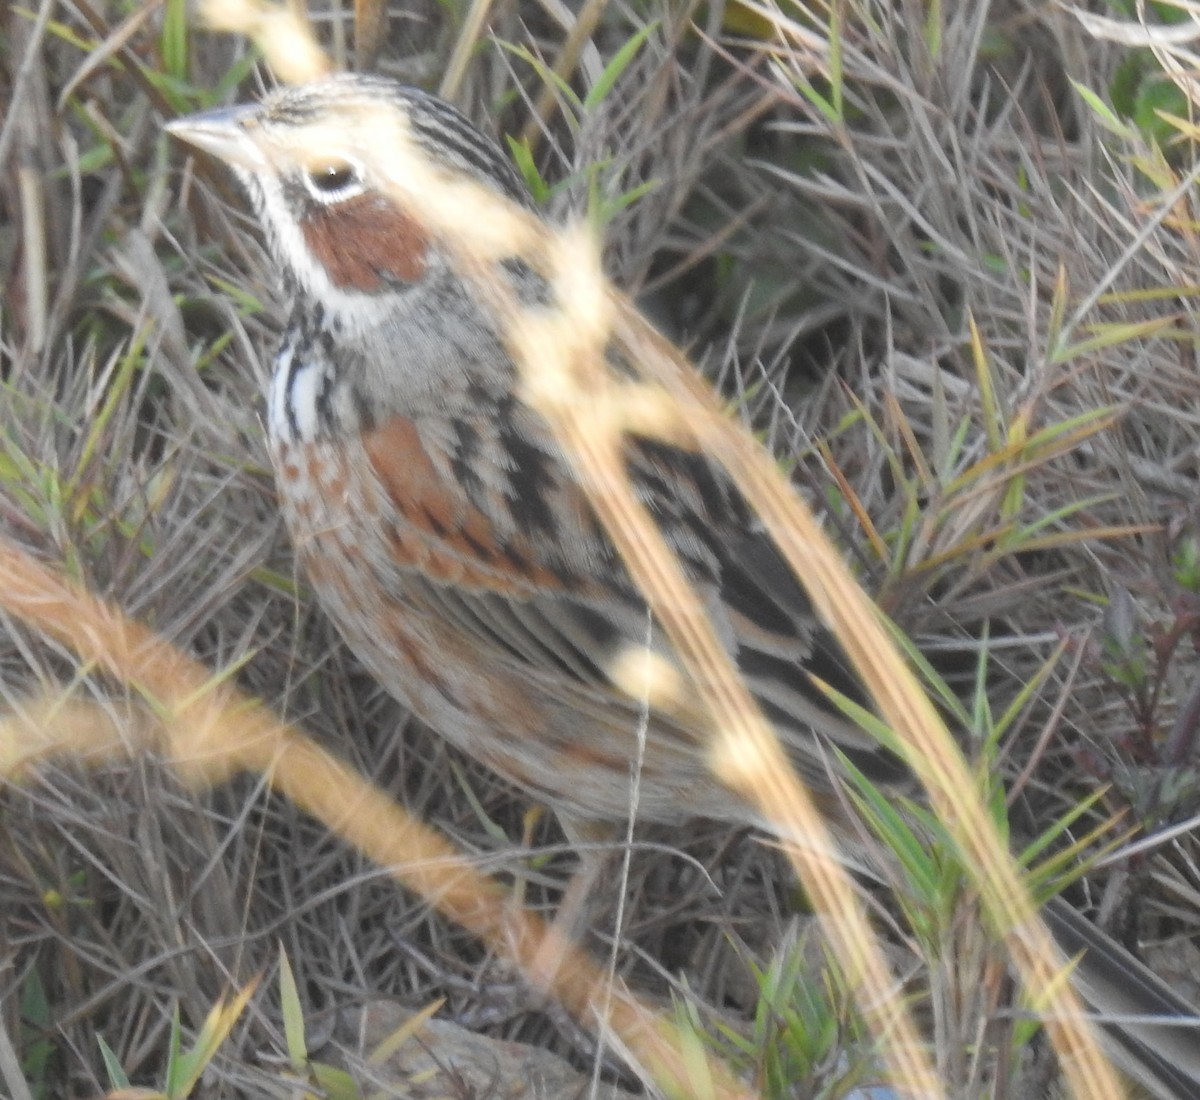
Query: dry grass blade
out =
(209, 730)
(370, 31)
(464, 46)
(10, 1068)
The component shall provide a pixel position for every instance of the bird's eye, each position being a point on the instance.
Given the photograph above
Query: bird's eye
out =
(333, 179)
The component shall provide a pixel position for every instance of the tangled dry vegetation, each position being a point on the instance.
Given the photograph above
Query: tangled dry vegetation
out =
(928, 264)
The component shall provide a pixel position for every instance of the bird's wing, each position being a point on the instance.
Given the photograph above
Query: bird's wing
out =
(533, 580)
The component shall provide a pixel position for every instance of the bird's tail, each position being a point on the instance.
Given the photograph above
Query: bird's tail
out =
(1153, 1033)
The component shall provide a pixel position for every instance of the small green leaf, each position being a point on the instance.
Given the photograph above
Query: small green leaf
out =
(174, 39)
(523, 158)
(112, 1066)
(1105, 115)
(336, 1084)
(613, 70)
(293, 1014)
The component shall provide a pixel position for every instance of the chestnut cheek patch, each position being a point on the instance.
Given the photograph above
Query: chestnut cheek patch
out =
(365, 244)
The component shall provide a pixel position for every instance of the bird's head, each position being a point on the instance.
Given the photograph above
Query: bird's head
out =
(319, 162)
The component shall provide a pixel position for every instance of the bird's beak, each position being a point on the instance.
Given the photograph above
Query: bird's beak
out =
(225, 134)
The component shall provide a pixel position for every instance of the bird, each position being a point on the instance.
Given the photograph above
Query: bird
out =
(446, 535)
(442, 527)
